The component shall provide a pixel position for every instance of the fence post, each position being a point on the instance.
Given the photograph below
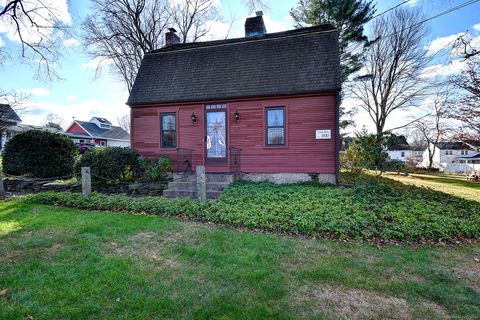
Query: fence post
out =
(86, 182)
(201, 184)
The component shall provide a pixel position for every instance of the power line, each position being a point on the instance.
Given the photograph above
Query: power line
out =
(460, 6)
(450, 10)
(389, 9)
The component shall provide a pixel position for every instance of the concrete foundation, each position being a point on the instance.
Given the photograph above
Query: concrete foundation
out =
(280, 178)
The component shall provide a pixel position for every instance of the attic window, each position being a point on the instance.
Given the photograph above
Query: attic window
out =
(106, 126)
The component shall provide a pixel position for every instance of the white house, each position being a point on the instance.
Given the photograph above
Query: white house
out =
(404, 152)
(9, 121)
(455, 157)
(99, 131)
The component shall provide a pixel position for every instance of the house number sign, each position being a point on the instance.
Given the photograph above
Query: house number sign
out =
(323, 134)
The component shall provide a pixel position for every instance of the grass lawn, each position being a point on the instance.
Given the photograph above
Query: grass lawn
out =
(451, 184)
(69, 264)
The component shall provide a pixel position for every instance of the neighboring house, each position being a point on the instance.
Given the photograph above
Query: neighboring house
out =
(9, 120)
(266, 102)
(99, 131)
(405, 153)
(451, 157)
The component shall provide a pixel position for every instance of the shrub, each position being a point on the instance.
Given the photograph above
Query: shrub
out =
(394, 165)
(39, 154)
(156, 169)
(111, 164)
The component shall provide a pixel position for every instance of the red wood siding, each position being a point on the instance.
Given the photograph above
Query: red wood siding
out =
(75, 128)
(302, 153)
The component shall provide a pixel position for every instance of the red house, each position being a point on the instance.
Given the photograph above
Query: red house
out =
(98, 131)
(265, 104)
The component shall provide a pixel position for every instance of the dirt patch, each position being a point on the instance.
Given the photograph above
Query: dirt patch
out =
(53, 248)
(470, 273)
(461, 266)
(32, 244)
(343, 303)
(156, 247)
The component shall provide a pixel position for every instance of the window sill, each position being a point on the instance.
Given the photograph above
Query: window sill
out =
(276, 147)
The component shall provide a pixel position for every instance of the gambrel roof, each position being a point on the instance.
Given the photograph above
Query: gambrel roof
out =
(301, 61)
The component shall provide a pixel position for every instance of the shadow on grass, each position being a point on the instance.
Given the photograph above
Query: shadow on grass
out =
(447, 181)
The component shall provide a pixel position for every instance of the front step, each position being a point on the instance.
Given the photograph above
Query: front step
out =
(184, 185)
(211, 177)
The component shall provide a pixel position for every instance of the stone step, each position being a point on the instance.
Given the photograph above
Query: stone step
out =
(211, 177)
(220, 177)
(191, 186)
(179, 193)
(184, 177)
(182, 185)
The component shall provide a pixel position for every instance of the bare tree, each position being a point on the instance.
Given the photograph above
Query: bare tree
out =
(39, 30)
(432, 129)
(124, 122)
(393, 63)
(464, 47)
(53, 120)
(466, 107)
(191, 17)
(253, 5)
(120, 32)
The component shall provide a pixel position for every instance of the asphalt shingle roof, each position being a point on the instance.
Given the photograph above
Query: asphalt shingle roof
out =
(7, 114)
(112, 133)
(458, 145)
(298, 61)
(399, 146)
(102, 120)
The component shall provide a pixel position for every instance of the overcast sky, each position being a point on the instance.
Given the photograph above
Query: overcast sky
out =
(81, 95)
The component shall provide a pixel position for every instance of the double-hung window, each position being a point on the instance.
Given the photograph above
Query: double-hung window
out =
(168, 130)
(275, 126)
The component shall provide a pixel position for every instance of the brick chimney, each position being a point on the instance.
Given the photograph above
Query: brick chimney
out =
(254, 26)
(171, 37)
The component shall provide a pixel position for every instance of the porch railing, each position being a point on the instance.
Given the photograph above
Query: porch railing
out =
(235, 157)
(183, 162)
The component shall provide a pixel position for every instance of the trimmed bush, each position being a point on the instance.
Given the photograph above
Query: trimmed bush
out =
(39, 154)
(111, 164)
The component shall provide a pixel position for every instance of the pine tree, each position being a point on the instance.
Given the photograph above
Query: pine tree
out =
(349, 16)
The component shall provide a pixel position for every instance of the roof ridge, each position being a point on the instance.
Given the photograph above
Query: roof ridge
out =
(269, 36)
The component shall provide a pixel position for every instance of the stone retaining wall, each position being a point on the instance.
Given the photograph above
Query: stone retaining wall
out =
(33, 186)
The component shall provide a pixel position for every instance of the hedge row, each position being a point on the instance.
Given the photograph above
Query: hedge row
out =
(385, 211)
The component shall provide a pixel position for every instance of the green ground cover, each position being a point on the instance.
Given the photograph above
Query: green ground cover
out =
(380, 211)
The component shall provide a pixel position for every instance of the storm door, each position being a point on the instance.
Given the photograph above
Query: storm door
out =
(216, 134)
